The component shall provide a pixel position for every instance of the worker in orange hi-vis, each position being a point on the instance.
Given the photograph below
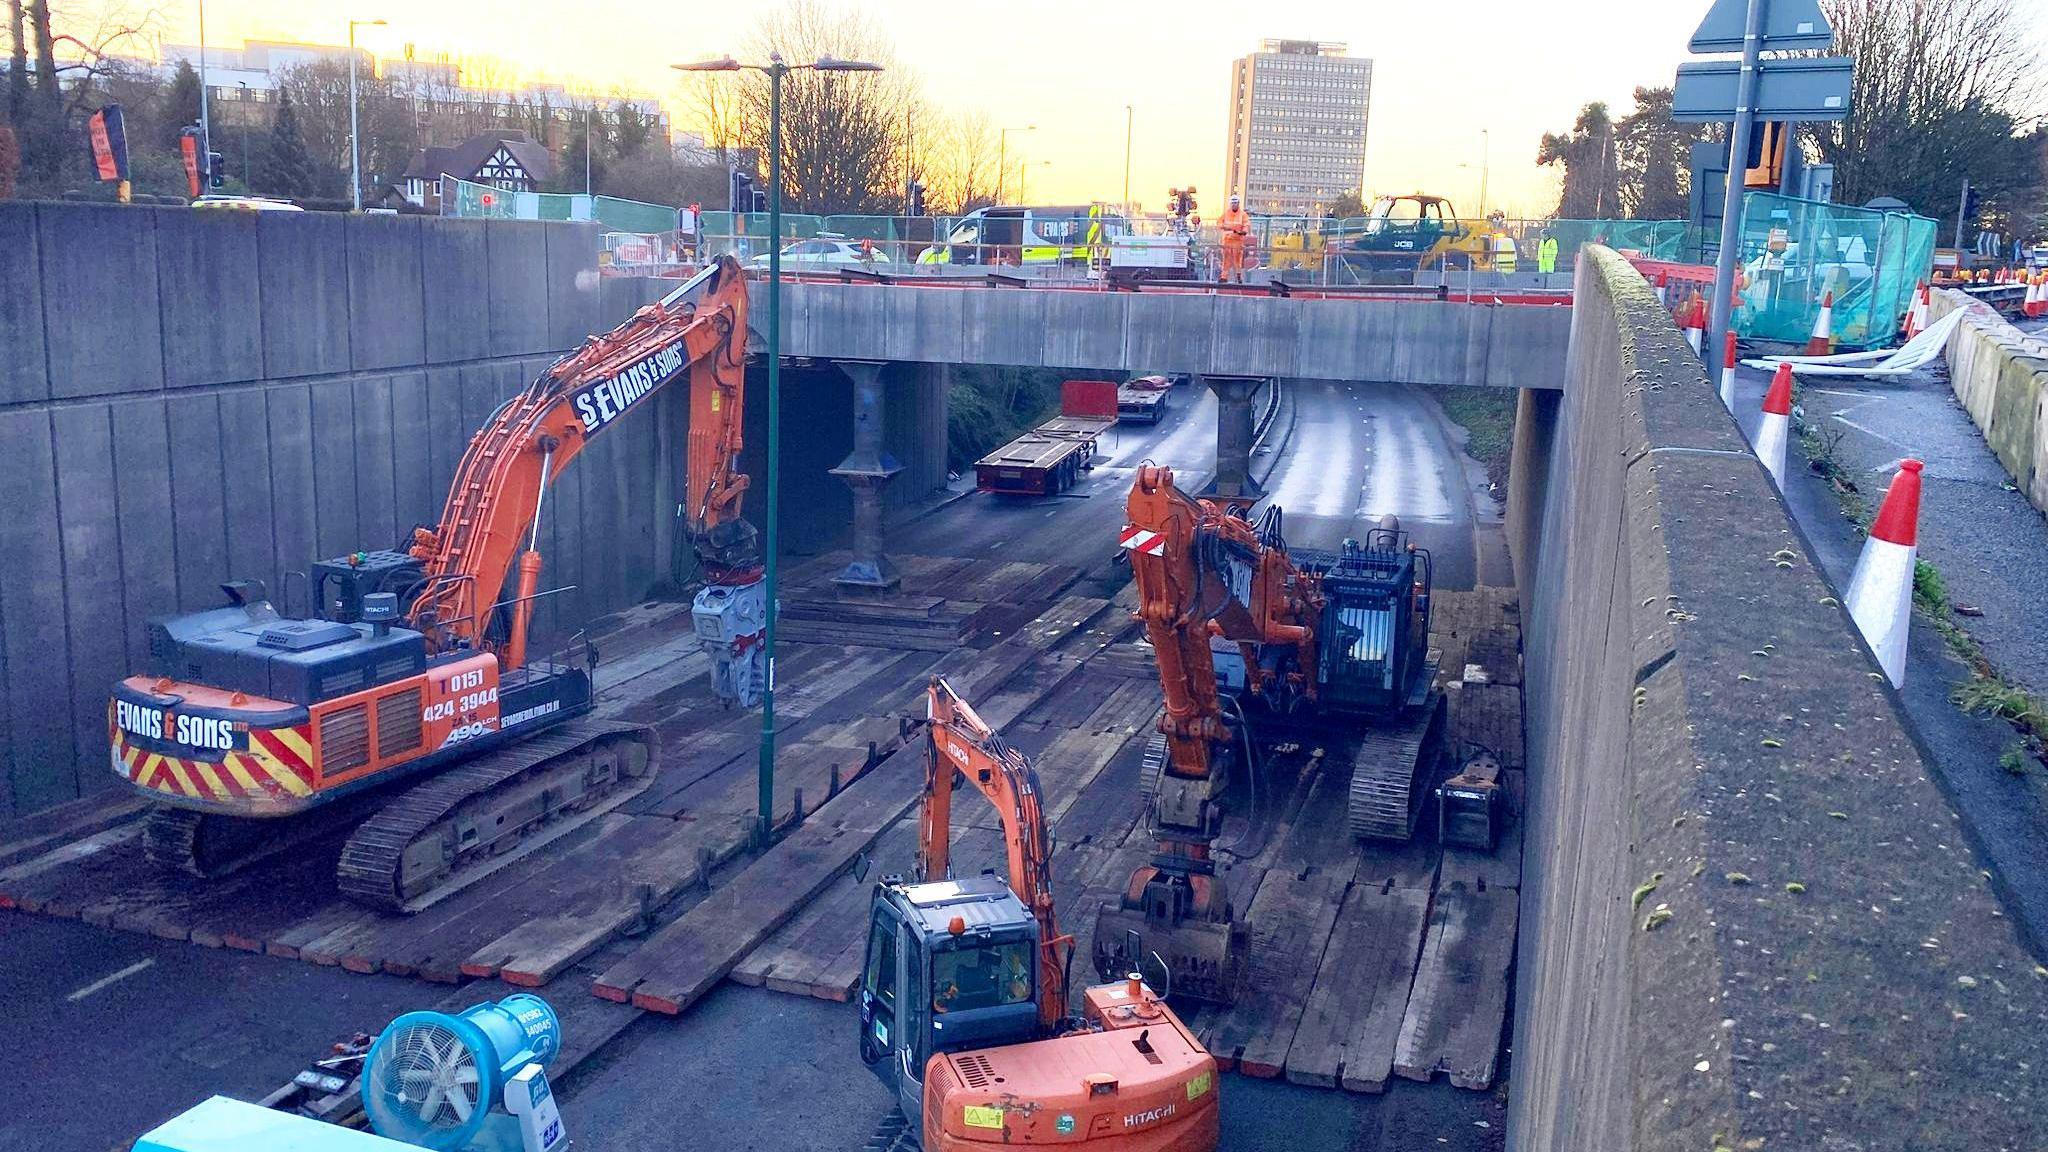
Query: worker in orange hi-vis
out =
(1237, 234)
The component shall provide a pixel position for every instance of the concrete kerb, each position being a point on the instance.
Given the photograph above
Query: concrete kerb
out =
(1766, 955)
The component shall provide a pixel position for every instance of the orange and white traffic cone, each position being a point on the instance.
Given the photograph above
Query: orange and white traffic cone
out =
(1776, 428)
(1823, 338)
(1664, 289)
(1696, 322)
(1728, 372)
(1881, 590)
(1916, 316)
(2037, 295)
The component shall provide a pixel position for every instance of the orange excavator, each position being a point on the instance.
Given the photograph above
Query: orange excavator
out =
(257, 732)
(1235, 620)
(963, 996)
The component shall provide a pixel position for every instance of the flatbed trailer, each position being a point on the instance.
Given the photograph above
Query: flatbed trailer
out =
(1050, 458)
(1142, 402)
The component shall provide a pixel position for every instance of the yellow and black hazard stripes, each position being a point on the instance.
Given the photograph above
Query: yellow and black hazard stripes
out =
(276, 770)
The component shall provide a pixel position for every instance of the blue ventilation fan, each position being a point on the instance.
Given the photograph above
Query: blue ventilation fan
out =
(440, 1081)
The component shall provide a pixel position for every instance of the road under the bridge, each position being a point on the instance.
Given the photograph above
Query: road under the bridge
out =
(749, 1068)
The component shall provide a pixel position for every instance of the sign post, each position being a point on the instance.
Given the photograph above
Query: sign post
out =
(1810, 88)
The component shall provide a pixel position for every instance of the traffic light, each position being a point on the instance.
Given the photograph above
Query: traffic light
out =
(916, 206)
(216, 170)
(741, 198)
(760, 201)
(1970, 202)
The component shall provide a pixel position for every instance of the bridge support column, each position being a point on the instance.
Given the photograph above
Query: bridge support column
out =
(1234, 421)
(865, 470)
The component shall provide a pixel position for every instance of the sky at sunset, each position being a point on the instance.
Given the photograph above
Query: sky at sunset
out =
(1443, 73)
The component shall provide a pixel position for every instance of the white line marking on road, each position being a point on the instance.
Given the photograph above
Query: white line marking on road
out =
(104, 981)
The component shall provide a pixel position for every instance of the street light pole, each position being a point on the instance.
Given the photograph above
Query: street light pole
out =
(244, 86)
(775, 69)
(1485, 158)
(1003, 156)
(355, 147)
(205, 120)
(1127, 160)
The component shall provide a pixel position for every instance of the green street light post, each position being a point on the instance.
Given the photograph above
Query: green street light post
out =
(775, 70)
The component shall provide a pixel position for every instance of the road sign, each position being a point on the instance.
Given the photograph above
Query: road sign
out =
(1810, 88)
(1788, 24)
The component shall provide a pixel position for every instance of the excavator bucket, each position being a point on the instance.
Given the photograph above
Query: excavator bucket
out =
(1203, 959)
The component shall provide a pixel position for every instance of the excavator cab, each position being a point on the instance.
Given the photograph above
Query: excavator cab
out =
(1375, 627)
(951, 965)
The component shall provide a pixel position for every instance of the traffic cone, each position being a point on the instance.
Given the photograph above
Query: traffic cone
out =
(1881, 590)
(1728, 372)
(1823, 338)
(1777, 424)
(1664, 289)
(2037, 295)
(1696, 322)
(1916, 316)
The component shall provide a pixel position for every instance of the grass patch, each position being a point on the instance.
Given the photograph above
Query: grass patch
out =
(1488, 417)
(1986, 692)
(2016, 760)
(1823, 447)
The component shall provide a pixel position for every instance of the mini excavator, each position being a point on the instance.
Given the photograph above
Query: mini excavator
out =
(257, 732)
(1238, 622)
(963, 995)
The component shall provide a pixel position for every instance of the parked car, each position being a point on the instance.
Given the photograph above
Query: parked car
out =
(823, 252)
(246, 204)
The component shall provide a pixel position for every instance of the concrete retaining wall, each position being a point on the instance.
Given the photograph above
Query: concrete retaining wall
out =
(191, 397)
(1403, 341)
(2001, 376)
(1750, 919)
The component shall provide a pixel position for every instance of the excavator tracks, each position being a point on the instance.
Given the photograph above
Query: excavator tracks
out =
(209, 845)
(1387, 785)
(443, 835)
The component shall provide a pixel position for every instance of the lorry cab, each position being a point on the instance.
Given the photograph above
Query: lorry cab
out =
(950, 965)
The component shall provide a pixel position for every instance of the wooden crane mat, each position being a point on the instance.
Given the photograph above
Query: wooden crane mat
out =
(1365, 961)
(942, 600)
(841, 714)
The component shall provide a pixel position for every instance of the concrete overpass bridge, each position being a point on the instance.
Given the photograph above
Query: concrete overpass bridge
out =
(1039, 324)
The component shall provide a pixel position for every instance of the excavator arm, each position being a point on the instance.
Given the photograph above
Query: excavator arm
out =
(491, 519)
(963, 746)
(1202, 572)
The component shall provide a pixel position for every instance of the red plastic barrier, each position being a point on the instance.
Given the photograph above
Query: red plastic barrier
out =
(1088, 398)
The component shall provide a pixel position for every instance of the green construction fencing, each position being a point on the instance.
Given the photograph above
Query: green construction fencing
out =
(465, 198)
(1797, 253)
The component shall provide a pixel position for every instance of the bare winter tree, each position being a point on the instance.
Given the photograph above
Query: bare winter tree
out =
(55, 58)
(962, 159)
(1941, 89)
(1653, 157)
(842, 133)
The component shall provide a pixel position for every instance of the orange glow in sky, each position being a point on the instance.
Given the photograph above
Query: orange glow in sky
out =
(1443, 74)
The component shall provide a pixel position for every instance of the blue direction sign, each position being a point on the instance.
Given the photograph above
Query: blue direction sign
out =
(1788, 24)
(1804, 88)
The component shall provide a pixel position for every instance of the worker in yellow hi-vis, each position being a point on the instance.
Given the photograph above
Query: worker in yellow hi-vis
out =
(1546, 254)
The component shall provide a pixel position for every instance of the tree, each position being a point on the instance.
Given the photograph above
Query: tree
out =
(961, 162)
(182, 101)
(631, 129)
(842, 133)
(1653, 158)
(1938, 86)
(1348, 205)
(288, 166)
(1590, 171)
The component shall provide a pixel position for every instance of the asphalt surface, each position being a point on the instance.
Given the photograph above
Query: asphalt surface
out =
(111, 1033)
(1989, 544)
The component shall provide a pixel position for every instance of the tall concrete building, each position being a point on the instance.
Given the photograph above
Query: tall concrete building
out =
(1297, 125)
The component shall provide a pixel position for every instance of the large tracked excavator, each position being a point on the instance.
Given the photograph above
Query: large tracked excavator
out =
(257, 733)
(963, 995)
(1243, 627)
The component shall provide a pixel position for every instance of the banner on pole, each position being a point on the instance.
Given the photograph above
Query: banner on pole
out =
(108, 135)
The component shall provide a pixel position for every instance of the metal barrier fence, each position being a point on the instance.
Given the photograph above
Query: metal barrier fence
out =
(466, 198)
(1794, 254)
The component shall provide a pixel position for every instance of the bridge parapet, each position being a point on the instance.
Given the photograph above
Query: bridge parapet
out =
(1751, 918)
(1416, 341)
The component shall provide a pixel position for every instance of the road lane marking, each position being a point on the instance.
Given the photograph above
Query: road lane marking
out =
(104, 981)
